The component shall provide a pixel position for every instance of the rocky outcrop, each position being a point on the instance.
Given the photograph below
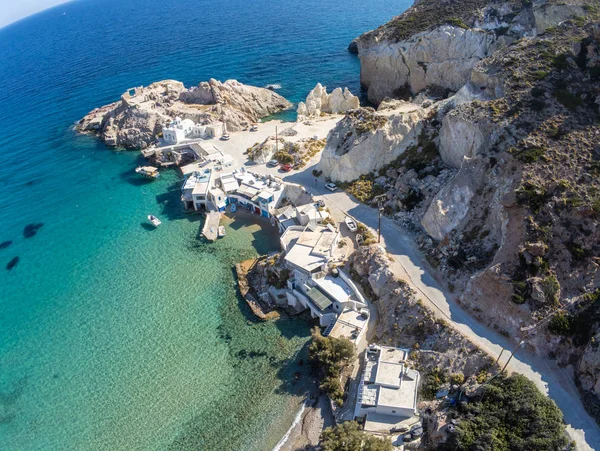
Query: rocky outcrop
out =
(443, 57)
(318, 101)
(461, 137)
(435, 44)
(263, 152)
(137, 119)
(365, 141)
(589, 366)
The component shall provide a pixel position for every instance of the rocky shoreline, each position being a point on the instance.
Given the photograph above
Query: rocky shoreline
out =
(136, 120)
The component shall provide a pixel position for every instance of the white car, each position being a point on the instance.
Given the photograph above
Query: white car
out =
(351, 224)
(331, 186)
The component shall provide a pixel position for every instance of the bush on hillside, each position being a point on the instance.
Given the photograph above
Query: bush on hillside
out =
(511, 414)
(348, 436)
(329, 355)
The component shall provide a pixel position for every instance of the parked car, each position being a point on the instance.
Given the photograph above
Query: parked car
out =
(225, 137)
(272, 163)
(286, 167)
(331, 186)
(351, 224)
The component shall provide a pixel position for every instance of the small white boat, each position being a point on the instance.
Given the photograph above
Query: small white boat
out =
(221, 231)
(148, 171)
(351, 224)
(154, 220)
(233, 208)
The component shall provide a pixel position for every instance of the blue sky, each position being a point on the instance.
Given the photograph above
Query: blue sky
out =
(11, 11)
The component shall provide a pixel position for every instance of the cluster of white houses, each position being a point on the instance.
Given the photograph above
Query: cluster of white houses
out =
(388, 388)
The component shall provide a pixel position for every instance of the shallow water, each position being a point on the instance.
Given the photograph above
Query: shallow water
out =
(113, 334)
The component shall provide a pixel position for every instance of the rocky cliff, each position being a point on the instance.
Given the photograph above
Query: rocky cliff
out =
(435, 44)
(137, 119)
(366, 140)
(501, 187)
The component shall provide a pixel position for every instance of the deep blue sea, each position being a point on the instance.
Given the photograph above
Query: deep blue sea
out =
(114, 336)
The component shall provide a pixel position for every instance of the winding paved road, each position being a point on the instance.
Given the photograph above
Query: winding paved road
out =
(556, 382)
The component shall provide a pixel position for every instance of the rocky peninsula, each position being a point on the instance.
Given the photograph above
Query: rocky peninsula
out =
(136, 120)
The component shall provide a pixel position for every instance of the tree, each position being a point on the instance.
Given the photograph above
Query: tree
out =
(512, 414)
(329, 355)
(348, 436)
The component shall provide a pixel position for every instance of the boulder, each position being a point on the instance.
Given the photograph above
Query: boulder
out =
(448, 208)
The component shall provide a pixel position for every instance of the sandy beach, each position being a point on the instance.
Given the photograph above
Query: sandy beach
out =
(312, 419)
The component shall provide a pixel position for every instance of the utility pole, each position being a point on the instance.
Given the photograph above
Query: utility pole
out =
(521, 343)
(380, 201)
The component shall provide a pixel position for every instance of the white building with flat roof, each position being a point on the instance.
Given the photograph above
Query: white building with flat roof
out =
(388, 389)
(177, 130)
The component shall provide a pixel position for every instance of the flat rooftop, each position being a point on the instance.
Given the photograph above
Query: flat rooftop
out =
(348, 322)
(312, 248)
(336, 287)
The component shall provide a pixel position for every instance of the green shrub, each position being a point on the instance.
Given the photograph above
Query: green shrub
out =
(512, 414)
(456, 378)
(457, 22)
(348, 436)
(432, 383)
(568, 100)
(551, 288)
(284, 157)
(560, 324)
(329, 355)
(560, 61)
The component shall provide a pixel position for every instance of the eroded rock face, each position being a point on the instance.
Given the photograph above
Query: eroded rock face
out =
(419, 49)
(137, 119)
(448, 209)
(318, 101)
(443, 57)
(461, 137)
(589, 366)
(364, 141)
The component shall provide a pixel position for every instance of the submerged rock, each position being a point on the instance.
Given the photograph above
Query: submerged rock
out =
(11, 264)
(5, 244)
(31, 230)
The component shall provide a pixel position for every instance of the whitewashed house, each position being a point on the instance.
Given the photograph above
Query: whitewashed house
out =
(178, 130)
(388, 389)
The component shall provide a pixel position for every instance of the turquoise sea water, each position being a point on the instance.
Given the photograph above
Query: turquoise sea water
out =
(112, 335)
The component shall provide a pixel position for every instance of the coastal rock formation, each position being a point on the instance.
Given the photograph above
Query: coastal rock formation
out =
(318, 101)
(137, 119)
(436, 44)
(443, 57)
(366, 140)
